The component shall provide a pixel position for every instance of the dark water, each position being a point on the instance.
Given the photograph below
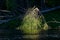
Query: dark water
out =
(51, 34)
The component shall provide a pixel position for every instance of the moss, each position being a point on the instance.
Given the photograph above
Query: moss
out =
(32, 22)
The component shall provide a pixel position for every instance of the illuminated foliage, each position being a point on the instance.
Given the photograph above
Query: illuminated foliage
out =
(32, 22)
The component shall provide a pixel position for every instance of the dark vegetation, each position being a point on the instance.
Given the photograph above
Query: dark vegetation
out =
(8, 29)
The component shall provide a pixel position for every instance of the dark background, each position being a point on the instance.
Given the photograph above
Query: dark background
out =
(17, 6)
